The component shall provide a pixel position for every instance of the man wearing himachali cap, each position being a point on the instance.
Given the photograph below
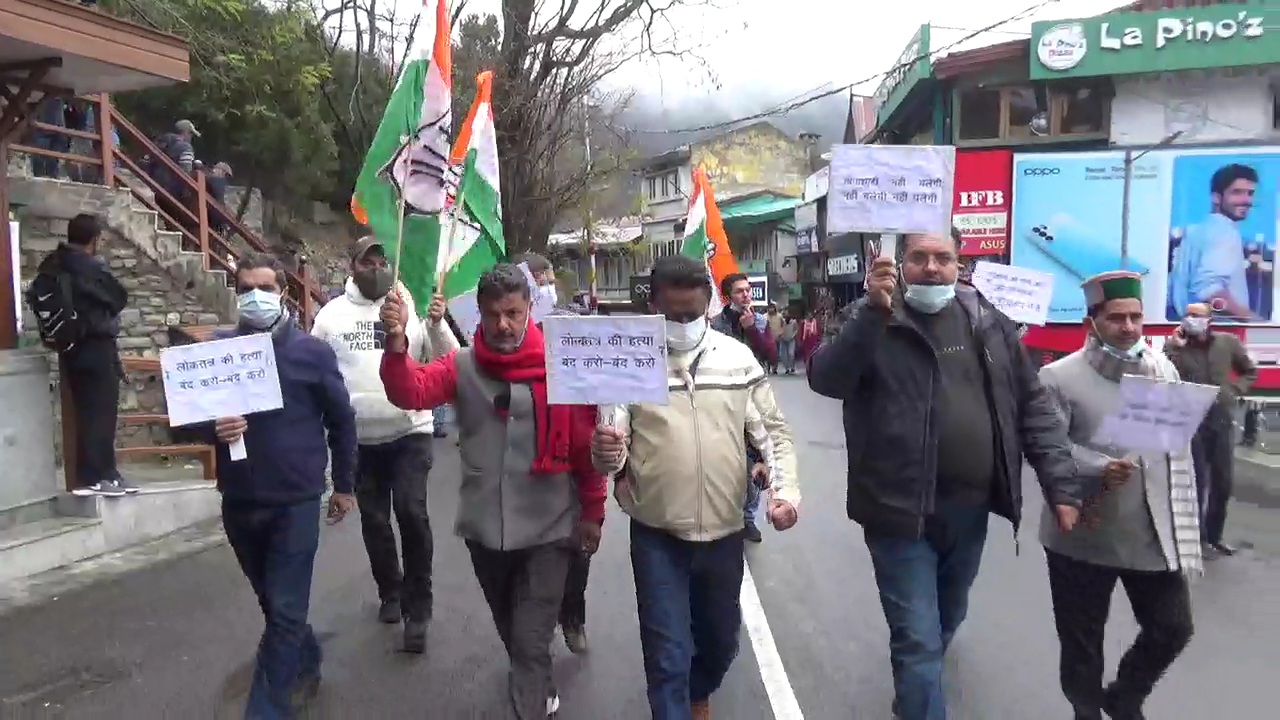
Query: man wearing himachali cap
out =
(1139, 528)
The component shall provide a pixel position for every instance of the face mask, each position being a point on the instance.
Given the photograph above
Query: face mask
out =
(259, 309)
(373, 283)
(1195, 326)
(548, 294)
(685, 336)
(1130, 355)
(929, 299)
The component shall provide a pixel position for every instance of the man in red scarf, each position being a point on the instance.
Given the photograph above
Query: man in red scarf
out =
(530, 497)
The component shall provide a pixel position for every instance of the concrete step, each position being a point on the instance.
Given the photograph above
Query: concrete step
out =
(91, 526)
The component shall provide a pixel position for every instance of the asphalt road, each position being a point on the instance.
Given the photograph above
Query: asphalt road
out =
(174, 640)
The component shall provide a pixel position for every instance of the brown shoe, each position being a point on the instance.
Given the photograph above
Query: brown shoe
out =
(701, 709)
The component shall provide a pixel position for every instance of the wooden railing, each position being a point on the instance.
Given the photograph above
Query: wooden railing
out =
(189, 215)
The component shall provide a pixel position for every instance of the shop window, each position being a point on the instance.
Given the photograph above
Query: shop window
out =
(979, 114)
(1026, 112)
(664, 186)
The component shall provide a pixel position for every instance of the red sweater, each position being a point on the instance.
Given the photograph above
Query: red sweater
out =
(413, 386)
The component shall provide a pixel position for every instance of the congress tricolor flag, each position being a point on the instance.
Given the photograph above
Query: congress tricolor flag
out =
(704, 238)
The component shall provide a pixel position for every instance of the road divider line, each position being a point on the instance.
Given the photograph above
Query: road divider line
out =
(782, 697)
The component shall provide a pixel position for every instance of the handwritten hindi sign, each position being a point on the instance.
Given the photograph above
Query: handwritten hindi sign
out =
(220, 378)
(891, 189)
(1156, 416)
(1018, 292)
(606, 360)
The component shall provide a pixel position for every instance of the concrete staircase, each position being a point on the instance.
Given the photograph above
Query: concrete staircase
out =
(43, 527)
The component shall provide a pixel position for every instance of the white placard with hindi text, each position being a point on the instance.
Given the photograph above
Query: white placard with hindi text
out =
(891, 189)
(606, 359)
(1018, 292)
(542, 305)
(220, 378)
(1156, 416)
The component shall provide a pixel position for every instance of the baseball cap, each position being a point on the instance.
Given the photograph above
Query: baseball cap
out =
(187, 126)
(363, 246)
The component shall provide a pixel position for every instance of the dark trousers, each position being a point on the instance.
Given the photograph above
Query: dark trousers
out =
(1081, 593)
(687, 595)
(924, 589)
(94, 377)
(573, 608)
(276, 547)
(1214, 456)
(393, 479)
(524, 588)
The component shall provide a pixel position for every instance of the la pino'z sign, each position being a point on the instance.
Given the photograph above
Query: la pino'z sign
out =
(1062, 47)
(1189, 30)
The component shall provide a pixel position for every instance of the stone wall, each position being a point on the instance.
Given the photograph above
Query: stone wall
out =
(158, 301)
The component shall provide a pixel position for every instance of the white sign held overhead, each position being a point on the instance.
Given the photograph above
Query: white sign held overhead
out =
(1020, 293)
(606, 360)
(891, 189)
(1156, 416)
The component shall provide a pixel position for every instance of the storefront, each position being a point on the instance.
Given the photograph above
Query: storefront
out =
(980, 209)
(846, 266)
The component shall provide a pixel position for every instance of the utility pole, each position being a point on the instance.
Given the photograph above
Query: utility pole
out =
(587, 233)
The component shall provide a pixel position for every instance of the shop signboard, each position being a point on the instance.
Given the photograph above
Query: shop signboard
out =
(1202, 227)
(640, 290)
(980, 211)
(1158, 41)
(759, 290)
(806, 222)
(912, 66)
(815, 186)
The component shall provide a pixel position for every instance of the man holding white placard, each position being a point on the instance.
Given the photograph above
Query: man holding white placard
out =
(530, 497)
(271, 498)
(681, 473)
(1139, 526)
(395, 446)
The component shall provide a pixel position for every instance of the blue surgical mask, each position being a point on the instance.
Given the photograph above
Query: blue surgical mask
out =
(259, 309)
(929, 299)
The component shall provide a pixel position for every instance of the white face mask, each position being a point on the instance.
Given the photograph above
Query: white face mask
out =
(683, 337)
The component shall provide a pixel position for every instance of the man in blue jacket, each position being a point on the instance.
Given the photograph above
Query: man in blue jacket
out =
(271, 499)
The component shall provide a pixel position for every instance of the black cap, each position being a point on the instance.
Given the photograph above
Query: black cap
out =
(363, 246)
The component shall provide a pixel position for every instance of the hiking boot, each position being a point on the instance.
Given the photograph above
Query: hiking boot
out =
(575, 638)
(701, 709)
(389, 612)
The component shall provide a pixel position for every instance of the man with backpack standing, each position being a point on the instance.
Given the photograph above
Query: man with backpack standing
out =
(77, 303)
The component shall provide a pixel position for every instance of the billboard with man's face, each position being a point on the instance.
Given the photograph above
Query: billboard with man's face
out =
(1203, 225)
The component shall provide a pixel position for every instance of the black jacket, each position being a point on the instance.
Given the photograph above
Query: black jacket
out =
(97, 296)
(886, 372)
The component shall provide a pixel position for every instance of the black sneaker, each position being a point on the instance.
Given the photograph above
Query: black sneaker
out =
(105, 488)
(1118, 707)
(127, 486)
(415, 636)
(389, 612)
(753, 533)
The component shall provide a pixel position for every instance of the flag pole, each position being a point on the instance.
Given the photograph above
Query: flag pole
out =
(395, 271)
(458, 207)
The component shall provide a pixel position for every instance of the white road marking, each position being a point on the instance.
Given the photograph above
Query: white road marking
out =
(782, 698)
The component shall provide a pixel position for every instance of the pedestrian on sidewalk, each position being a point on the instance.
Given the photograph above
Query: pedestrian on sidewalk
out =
(271, 501)
(395, 451)
(940, 407)
(573, 607)
(77, 303)
(742, 323)
(530, 498)
(1205, 356)
(787, 342)
(1139, 525)
(690, 458)
(775, 321)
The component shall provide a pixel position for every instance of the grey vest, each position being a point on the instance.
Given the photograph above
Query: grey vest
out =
(502, 505)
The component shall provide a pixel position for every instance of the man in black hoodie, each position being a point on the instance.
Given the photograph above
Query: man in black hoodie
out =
(91, 364)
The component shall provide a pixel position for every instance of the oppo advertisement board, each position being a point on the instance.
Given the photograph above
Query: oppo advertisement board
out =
(1202, 227)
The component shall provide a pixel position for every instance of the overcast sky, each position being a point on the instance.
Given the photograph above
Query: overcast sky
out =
(779, 48)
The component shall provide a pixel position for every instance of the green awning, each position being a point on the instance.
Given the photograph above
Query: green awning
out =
(756, 210)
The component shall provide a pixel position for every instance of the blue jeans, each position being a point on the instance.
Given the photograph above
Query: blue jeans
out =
(276, 547)
(441, 416)
(687, 598)
(787, 354)
(751, 504)
(924, 589)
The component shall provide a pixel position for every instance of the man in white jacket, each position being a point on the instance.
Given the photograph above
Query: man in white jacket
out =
(394, 445)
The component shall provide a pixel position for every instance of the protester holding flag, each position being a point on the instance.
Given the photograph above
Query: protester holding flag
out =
(395, 451)
(530, 497)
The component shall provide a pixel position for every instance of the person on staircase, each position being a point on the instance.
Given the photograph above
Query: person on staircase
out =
(82, 290)
(395, 446)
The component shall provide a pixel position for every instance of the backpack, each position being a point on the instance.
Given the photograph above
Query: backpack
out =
(49, 296)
